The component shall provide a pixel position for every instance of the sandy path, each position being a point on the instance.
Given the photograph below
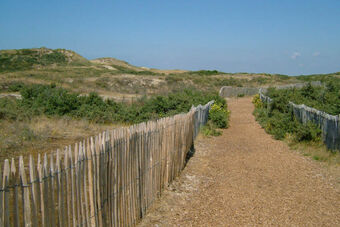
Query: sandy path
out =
(246, 178)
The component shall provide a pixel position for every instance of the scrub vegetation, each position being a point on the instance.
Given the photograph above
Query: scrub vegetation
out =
(325, 98)
(218, 119)
(37, 120)
(50, 100)
(278, 119)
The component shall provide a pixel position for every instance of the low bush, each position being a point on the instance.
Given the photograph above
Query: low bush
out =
(257, 101)
(229, 82)
(325, 98)
(210, 130)
(218, 119)
(205, 72)
(122, 69)
(50, 100)
(26, 58)
(219, 115)
(307, 132)
(278, 120)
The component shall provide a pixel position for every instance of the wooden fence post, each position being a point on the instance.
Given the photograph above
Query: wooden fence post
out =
(5, 194)
(25, 194)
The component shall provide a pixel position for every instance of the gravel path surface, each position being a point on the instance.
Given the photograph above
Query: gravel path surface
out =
(246, 178)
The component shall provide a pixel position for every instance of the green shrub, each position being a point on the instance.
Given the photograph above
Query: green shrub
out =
(257, 101)
(307, 132)
(50, 100)
(122, 69)
(9, 109)
(210, 130)
(219, 115)
(15, 86)
(229, 82)
(26, 58)
(260, 80)
(324, 98)
(205, 72)
(278, 120)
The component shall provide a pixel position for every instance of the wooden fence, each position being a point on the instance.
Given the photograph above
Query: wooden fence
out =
(329, 124)
(107, 180)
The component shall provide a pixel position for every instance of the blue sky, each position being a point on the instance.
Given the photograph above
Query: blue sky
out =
(289, 37)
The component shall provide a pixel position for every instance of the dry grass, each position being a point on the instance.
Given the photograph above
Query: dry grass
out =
(317, 151)
(97, 77)
(43, 134)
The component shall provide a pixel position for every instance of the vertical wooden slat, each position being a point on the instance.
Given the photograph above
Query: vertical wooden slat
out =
(112, 176)
(41, 186)
(99, 209)
(2, 211)
(139, 174)
(121, 178)
(128, 176)
(77, 186)
(145, 167)
(84, 183)
(72, 169)
(52, 192)
(118, 178)
(60, 189)
(87, 182)
(136, 185)
(46, 189)
(115, 188)
(34, 185)
(25, 194)
(126, 201)
(103, 179)
(80, 185)
(68, 215)
(105, 212)
(94, 182)
(132, 178)
(135, 177)
(106, 175)
(14, 180)
(109, 185)
(141, 169)
(127, 182)
(145, 171)
(5, 194)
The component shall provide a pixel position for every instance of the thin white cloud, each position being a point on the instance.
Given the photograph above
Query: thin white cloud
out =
(315, 54)
(295, 55)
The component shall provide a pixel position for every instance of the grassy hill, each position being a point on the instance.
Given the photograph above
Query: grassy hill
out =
(113, 78)
(25, 59)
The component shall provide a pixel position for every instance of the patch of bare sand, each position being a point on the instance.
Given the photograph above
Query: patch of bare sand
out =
(246, 178)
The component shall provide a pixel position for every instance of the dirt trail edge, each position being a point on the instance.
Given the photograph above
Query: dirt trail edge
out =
(246, 178)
